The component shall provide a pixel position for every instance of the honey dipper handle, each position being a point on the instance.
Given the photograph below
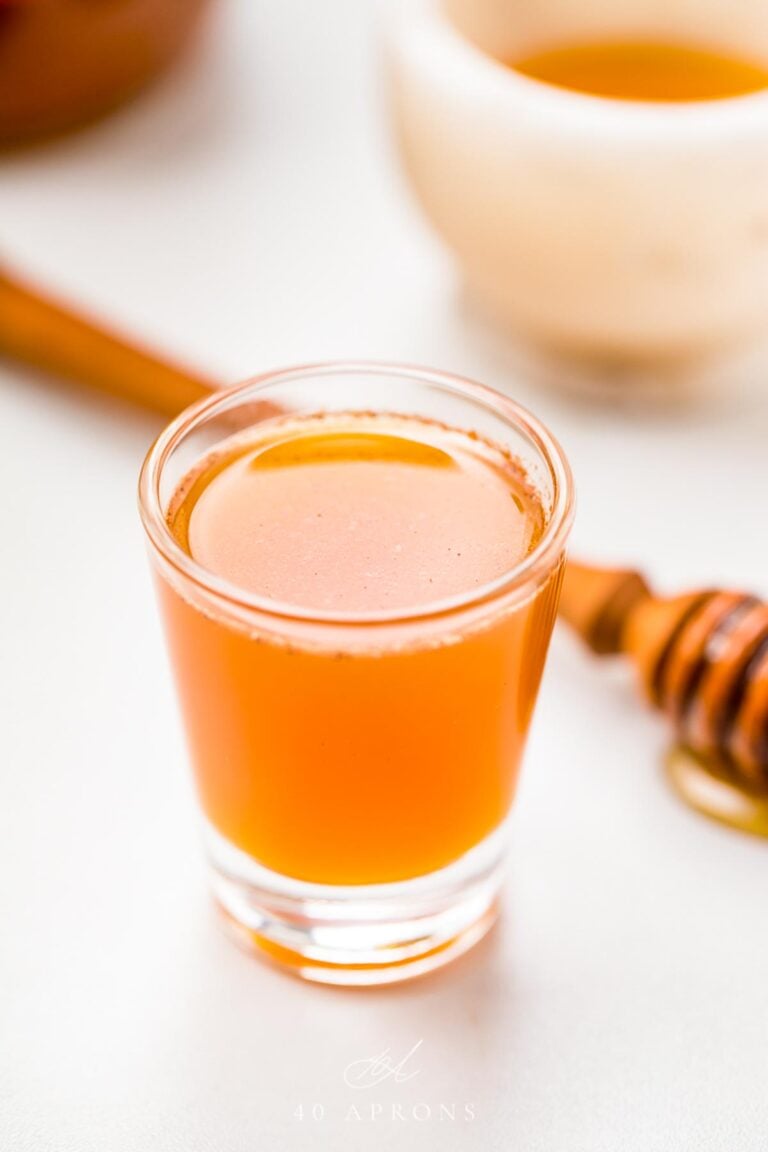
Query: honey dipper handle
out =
(597, 603)
(45, 334)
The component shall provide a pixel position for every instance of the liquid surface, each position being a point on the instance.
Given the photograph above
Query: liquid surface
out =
(359, 514)
(645, 71)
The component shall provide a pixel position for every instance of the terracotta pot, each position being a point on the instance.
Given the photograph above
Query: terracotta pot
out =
(63, 62)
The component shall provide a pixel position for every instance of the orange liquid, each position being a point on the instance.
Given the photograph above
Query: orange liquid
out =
(648, 71)
(358, 762)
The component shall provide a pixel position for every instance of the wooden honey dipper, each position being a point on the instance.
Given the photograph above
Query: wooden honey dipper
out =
(702, 657)
(703, 660)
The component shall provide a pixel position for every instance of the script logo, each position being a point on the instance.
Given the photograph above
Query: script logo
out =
(373, 1070)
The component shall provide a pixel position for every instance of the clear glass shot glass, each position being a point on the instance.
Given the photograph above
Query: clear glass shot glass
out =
(356, 770)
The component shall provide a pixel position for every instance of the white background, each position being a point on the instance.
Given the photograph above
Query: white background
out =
(248, 213)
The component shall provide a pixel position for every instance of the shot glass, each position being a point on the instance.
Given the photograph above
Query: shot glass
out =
(356, 770)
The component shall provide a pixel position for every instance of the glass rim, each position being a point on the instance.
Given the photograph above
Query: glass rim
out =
(542, 558)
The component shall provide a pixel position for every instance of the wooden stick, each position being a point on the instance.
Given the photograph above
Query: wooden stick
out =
(46, 334)
(596, 602)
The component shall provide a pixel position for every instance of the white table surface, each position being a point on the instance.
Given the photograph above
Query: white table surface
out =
(247, 213)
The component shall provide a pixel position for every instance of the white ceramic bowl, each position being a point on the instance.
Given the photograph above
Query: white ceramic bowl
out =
(624, 232)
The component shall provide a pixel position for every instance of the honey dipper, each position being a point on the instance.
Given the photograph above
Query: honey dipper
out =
(703, 660)
(702, 657)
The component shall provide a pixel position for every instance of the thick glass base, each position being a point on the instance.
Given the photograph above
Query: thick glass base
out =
(363, 934)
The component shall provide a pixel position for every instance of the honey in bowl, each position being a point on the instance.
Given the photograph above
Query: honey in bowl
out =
(358, 764)
(645, 71)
